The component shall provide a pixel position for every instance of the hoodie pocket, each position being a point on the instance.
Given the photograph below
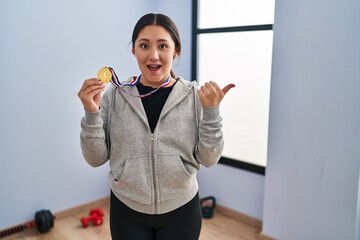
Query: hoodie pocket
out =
(134, 182)
(174, 179)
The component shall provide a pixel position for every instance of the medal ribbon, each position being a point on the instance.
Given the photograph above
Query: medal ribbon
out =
(120, 85)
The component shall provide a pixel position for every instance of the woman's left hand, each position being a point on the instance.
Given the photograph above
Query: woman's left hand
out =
(211, 94)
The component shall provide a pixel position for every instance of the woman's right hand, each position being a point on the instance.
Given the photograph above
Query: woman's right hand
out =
(90, 94)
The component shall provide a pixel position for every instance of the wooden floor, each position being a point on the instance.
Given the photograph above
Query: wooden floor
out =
(220, 227)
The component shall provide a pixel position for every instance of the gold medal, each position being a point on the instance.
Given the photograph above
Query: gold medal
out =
(104, 75)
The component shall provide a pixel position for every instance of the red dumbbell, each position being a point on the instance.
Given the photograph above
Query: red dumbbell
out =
(96, 216)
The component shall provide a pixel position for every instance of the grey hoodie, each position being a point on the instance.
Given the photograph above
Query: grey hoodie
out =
(153, 173)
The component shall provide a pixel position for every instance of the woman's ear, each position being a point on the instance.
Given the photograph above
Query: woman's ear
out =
(133, 51)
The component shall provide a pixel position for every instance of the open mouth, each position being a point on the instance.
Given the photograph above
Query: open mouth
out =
(154, 67)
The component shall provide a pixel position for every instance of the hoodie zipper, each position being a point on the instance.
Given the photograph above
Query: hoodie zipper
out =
(153, 171)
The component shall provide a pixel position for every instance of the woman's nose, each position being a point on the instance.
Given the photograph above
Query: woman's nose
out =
(154, 55)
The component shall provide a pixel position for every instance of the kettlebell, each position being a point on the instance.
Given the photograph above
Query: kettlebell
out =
(207, 211)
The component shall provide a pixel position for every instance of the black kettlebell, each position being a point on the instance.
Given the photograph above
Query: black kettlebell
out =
(206, 210)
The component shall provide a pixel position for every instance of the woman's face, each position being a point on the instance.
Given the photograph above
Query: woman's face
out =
(154, 50)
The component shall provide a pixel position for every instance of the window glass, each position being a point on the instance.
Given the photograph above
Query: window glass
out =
(242, 58)
(228, 13)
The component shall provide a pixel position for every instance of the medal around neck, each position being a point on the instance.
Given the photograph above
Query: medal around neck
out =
(107, 74)
(104, 74)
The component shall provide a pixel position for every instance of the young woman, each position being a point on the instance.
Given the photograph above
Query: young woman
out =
(155, 136)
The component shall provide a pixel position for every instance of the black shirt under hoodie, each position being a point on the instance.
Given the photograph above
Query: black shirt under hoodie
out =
(154, 103)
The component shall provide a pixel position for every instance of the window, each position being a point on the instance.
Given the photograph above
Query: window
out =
(233, 44)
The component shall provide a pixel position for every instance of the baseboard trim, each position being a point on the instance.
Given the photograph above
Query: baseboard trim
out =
(241, 217)
(82, 208)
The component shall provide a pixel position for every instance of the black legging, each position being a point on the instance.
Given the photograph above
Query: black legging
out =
(183, 223)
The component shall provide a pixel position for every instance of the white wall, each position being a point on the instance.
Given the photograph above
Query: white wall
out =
(313, 166)
(47, 49)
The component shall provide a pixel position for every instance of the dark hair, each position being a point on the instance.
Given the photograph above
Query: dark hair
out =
(162, 20)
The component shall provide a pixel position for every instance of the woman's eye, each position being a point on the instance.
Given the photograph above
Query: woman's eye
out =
(163, 46)
(145, 46)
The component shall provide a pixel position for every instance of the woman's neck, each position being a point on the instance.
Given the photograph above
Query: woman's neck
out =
(157, 84)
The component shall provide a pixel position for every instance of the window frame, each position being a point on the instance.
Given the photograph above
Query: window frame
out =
(194, 56)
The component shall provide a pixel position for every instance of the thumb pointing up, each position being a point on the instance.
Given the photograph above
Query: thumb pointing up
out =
(227, 88)
(211, 94)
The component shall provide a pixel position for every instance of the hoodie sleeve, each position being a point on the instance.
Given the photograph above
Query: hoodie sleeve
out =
(210, 140)
(93, 139)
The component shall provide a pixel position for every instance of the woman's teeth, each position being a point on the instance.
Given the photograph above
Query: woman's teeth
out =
(153, 67)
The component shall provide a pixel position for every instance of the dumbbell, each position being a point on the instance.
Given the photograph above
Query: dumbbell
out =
(95, 216)
(44, 221)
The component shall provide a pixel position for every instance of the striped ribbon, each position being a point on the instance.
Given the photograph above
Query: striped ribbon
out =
(120, 85)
